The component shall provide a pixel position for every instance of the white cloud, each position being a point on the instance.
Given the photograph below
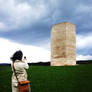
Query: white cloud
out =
(84, 41)
(82, 57)
(83, 9)
(33, 53)
(2, 26)
(21, 14)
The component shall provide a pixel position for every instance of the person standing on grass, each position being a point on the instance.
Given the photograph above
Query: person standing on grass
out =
(20, 67)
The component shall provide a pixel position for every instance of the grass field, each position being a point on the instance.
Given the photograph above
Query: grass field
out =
(52, 79)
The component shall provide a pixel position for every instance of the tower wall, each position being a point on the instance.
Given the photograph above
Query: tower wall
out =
(63, 44)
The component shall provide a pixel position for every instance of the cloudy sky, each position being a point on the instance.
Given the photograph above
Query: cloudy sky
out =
(26, 25)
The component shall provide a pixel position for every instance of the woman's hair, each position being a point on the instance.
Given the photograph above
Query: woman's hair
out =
(17, 56)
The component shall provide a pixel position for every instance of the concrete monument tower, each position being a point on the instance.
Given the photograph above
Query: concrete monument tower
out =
(63, 44)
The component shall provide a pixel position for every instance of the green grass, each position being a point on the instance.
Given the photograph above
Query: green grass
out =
(52, 79)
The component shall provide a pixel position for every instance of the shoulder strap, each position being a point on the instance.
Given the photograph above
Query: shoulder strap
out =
(15, 72)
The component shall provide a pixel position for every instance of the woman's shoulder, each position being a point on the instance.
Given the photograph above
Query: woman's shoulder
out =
(21, 64)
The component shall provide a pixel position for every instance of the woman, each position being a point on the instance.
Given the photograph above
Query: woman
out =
(19, 67)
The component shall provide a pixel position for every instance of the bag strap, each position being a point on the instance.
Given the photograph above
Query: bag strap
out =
(15, 72)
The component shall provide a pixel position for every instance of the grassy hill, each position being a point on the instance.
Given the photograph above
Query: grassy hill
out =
(52, 79)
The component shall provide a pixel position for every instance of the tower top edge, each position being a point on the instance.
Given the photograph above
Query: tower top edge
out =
(66, 22)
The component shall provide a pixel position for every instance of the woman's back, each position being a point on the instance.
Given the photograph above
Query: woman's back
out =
(20, 69)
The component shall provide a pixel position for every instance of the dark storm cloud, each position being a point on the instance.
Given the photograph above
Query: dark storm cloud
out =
(49, 13)
(30, 21)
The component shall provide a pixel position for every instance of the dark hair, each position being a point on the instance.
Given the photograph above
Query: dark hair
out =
(17, 56)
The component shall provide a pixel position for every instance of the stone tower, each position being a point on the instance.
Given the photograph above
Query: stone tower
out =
(63, 44)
